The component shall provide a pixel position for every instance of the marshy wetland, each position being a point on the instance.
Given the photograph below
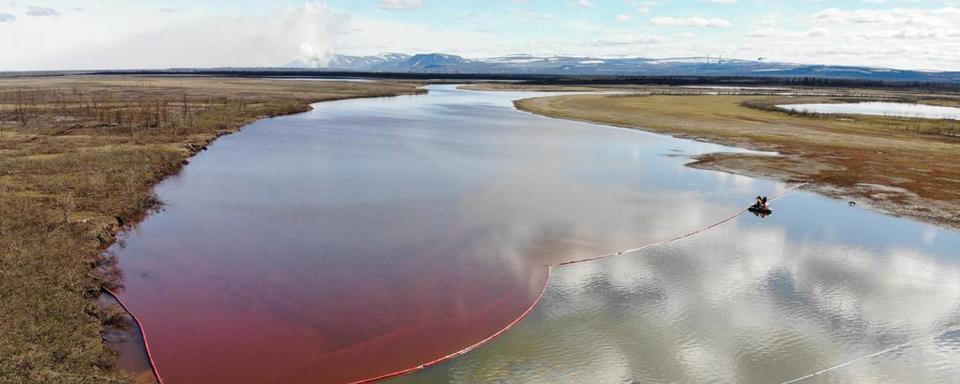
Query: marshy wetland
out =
(370, 236)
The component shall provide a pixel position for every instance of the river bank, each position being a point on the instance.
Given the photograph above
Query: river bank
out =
(329, 152)
(900, 166)
(79, 157)
(398, 211)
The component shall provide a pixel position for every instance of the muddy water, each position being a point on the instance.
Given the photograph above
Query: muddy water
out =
(369, 236)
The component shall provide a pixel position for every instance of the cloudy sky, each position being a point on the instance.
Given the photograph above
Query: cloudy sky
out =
(62, 34)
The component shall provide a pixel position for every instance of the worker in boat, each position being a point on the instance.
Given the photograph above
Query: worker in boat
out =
(762, 203)
(761, 207)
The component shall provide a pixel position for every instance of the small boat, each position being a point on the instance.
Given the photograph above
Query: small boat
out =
(761, 207)
(760, 210)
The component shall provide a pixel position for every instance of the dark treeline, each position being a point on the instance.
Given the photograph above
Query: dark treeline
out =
(542, 79)
(759, 81)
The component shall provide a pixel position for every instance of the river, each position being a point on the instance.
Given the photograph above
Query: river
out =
(373, 235)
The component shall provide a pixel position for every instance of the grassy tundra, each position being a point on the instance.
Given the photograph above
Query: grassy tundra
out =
(902, 166)
(78, 159)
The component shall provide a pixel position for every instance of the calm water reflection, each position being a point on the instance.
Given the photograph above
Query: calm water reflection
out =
(373, 235)
(880, 108)
(753, 301)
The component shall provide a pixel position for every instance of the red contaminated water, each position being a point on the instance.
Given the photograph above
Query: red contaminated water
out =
(371, 236)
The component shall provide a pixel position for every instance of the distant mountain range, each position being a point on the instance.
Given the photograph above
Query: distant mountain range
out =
(572, 65)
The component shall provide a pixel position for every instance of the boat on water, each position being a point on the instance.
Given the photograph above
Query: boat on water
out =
(761, 207)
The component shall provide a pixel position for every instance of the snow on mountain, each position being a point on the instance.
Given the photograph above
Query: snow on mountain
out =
(622, 66)
(432, 61)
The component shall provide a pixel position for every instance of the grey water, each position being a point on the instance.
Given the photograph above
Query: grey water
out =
(370, 236)
(880, 109)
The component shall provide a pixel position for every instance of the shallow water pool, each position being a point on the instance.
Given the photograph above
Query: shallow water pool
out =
(879, 108)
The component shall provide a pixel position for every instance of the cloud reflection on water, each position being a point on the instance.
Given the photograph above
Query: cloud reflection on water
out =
(749, 302)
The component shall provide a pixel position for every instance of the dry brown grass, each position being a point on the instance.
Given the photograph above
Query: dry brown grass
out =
(844, 156)
(78, 159)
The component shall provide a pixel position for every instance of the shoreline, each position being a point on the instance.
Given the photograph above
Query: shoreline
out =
(534, 303)
(80, 157)
(824, 170)
(763, 166)
(194, 149)
(540, 295)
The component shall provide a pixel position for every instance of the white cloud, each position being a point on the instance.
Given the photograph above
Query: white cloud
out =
(907, 34)
(401, 5)
(530, 16)
(164, 40)
(916, 38)
(148, 35)
(779, 33)
(627, 39)
(898, 16)
(763, 33)
(584, 4)
(689, 22)
(719, 1)
(41, 11)
(370, 35)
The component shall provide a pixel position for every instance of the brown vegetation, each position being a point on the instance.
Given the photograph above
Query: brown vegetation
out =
(902, 166)
(78, 159)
